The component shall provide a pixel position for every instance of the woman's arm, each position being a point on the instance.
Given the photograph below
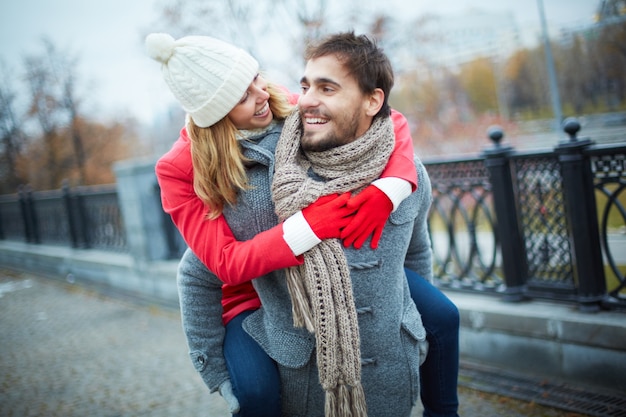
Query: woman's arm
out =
(400, 163)
(234, 262)
(212, 240)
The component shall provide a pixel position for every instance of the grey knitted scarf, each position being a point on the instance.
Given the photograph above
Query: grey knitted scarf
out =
(321, 289)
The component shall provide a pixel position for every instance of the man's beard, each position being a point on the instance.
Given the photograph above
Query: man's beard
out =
(344, 132)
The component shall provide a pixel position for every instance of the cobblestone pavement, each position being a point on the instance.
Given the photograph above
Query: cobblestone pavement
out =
(67, 351)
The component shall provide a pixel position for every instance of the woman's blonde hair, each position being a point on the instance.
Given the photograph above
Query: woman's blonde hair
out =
(219, 171)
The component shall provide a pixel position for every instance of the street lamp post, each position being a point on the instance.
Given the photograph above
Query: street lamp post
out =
(554, 87)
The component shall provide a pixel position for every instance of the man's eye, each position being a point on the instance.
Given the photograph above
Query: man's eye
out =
(304, 88)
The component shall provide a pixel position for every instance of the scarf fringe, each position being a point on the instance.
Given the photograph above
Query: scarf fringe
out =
(345, 401)
(359, 406)
(330, 404)
(300, 305)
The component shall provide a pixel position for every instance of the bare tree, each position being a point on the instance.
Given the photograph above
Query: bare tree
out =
(70, 102)
(12, 137)
(43, 107)
(54, 104)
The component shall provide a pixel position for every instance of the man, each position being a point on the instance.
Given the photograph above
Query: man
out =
(369, 338)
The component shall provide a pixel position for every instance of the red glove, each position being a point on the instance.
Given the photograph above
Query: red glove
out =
(328, 215)
(374, 208)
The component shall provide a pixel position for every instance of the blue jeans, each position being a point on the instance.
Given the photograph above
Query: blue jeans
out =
(256, 382)
(254, 375)
(439, 372)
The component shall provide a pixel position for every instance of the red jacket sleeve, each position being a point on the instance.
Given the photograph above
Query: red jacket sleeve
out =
(233, 261)
(401, 163)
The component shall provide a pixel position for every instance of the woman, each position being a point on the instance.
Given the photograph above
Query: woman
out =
(227, 146)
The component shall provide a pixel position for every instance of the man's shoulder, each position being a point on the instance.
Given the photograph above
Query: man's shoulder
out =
(424, 187)
(418, 201)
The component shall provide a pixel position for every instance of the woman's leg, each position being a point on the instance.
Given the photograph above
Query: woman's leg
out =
(254, 375)
(439, 372)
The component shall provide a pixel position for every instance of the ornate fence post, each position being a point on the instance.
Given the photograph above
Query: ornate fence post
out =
(27, 207)
(580, 202)
(70, 212)
(508, 231)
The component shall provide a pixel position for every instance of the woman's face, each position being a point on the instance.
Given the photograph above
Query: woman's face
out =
(253, 110)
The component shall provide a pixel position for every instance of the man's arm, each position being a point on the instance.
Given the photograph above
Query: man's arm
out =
(419, 254)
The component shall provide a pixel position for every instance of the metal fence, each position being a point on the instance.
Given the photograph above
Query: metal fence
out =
(548, 224)
(82, 217)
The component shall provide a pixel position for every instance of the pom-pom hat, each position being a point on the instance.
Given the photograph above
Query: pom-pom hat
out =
(206, 75)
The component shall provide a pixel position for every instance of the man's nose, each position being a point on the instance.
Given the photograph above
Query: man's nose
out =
(307, 100)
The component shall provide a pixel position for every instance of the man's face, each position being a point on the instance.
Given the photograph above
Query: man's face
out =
(333, 109)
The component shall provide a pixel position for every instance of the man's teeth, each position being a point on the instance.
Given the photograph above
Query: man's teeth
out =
(315, 120)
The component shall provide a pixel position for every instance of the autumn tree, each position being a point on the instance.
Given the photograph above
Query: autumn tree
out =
(576, 86)
(610, 52)
(66, 144)
(50, 77)
(106, 144)
(479, 82)
(525, 82)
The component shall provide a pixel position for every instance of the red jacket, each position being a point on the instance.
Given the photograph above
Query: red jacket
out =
(235, 262)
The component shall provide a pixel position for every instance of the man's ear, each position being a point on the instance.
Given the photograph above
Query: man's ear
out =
(375, 102)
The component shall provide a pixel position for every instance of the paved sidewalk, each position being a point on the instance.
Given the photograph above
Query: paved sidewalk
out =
(66, 351)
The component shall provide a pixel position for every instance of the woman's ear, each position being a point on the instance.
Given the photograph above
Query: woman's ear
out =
(375, 102)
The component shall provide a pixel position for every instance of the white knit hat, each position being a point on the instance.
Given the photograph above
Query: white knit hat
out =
(206, 75)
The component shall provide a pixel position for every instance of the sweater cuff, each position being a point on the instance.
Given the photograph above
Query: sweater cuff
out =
(397, 189)
(298, 234)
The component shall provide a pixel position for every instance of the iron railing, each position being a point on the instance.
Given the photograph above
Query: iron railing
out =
(534, 224)
(81, 217)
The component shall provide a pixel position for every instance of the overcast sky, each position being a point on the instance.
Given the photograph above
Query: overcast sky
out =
(107, 37)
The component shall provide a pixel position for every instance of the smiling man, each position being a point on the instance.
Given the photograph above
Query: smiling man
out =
(351, 307)
(333, 110)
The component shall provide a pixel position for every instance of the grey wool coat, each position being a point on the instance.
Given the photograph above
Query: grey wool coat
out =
(393, 339)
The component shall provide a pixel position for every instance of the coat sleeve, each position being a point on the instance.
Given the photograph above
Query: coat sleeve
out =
(200, 296)
(419, 255)
(233, 261)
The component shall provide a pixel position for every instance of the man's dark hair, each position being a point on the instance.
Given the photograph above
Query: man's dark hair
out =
(363, 59)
